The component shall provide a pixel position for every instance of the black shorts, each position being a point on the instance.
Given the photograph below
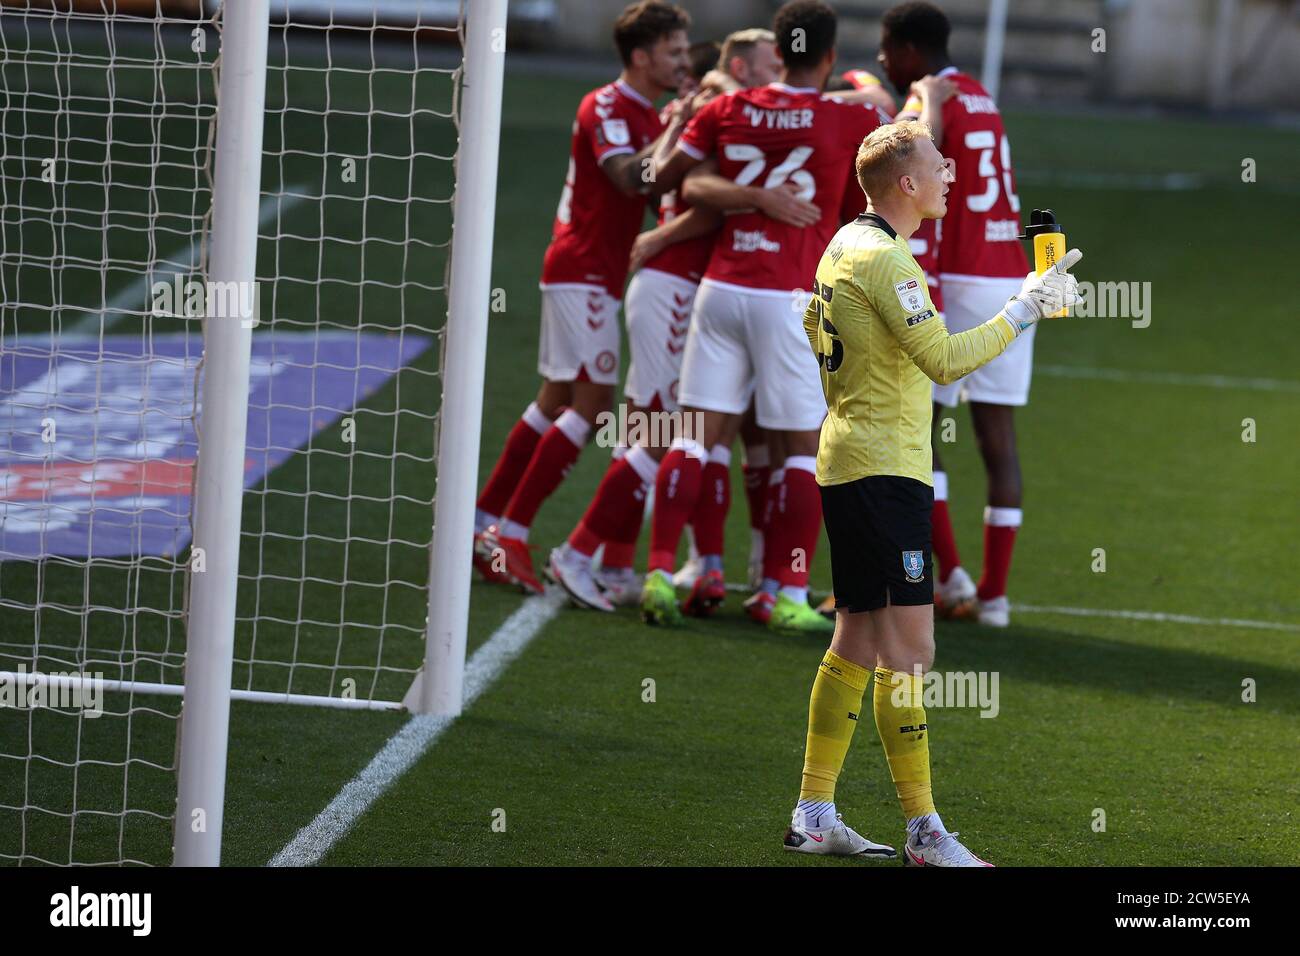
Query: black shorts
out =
(879, 530)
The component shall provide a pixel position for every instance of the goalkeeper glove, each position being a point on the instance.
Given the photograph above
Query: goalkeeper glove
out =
(1045, 294)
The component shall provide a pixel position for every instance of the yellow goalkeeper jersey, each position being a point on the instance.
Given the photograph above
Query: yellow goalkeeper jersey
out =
(880, 342)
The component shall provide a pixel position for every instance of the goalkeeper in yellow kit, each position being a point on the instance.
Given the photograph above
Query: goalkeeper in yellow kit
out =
(880, 344)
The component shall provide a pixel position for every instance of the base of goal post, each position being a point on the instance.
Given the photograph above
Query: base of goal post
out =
(412, 703)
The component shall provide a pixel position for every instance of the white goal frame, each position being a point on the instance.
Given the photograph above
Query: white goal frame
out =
(218, 494)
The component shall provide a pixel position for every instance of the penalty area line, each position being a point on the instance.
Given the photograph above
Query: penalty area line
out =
(1169, 378)
(1155, 616)
(417, 735)
(1160, 616)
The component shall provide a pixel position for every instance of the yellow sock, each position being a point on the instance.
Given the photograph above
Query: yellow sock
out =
(833, 711)
(900, 721)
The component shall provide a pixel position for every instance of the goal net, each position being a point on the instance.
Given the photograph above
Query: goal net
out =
(107, 155)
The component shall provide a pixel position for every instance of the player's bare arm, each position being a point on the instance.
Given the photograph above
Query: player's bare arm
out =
(934, 91)
(669, 163)
(668, 175)
(716, 82)
(925, 103)
(704, 186)
(696, 221)
(630, 172)
(869, 96)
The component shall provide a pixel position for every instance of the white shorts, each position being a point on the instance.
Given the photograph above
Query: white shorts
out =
(747, 343)
(969, 301)
(579, 334)
(658, 314)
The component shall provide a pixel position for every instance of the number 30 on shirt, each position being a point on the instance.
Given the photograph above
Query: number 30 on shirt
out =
(985, 141)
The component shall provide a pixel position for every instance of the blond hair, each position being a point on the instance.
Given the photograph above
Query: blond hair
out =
(742, 44)
(884, 155)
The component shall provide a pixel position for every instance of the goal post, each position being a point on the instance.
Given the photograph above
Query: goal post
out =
(219, 480)
(441, 685)
(995, 35)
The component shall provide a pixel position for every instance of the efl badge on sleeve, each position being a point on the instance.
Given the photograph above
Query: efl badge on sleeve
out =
(616, 132)
(914, 566)
(911, 294)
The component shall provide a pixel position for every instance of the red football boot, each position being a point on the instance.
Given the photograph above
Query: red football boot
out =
(708, 592)
(506, 560)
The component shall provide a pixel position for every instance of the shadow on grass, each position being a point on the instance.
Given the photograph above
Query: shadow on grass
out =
(1066, 659)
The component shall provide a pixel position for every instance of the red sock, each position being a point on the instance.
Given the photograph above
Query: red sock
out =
(620, 547)
(607, 517)
(756, 493)
(801, 518)
(1000, 527)
(520, 445)
(944, 542)
(710, 516)
(620, 554)
(772, 525)
(677, 487)
(555, 455)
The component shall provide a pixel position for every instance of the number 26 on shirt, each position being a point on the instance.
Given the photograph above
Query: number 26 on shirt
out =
(755, 159)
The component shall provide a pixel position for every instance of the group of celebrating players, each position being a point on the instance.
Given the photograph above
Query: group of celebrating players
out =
(747, 202)
(768, 183)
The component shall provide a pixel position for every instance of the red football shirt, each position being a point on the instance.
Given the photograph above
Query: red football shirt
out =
(689, 258)
(855, 200)
(686, 259)
(596, 224)
(979, 232)
(765, 137)
(925, 250)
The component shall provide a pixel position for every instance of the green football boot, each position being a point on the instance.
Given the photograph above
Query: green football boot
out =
(659, 601)
(797, 617)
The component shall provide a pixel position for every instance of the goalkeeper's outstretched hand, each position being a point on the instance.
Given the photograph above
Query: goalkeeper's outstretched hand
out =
(1045, 294)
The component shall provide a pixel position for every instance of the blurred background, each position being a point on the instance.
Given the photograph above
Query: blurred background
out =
(1208, 54)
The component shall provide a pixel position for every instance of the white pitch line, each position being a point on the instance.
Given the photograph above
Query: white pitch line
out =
(1176, 182)
(1156, 616)
(1157, 182)
(405, 747)
(135, 296)
(1168, 378)
(1116, 613)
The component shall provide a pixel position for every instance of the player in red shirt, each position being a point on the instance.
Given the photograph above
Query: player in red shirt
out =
(671, 259)
(980, 264)
(600, 213)
(746, 337)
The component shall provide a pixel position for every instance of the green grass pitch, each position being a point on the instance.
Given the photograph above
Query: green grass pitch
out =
(1142, 719)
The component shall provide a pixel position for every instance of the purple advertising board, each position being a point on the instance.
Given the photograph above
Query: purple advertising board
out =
(97, 439)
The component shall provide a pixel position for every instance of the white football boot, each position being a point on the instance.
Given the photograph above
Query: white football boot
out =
(689, 572)
(837, 839)
(955, 598)
(622, 586)
(939, 849)
(573, 573)
(995, 613)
